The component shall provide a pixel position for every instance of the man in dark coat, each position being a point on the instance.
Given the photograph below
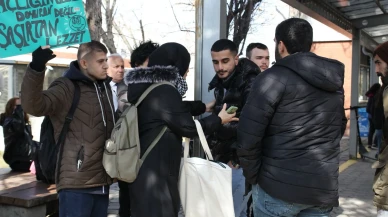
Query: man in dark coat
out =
(231, 84)
(291, 126)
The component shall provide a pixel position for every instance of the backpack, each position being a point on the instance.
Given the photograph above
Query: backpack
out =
(121, 157)
(47, 155)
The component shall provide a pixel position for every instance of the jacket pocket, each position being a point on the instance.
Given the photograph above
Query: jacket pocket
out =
(80, 158)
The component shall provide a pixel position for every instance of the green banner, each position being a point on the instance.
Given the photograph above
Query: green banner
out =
(27, 24)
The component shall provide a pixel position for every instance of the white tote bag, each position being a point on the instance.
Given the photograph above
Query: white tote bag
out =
(205, 187)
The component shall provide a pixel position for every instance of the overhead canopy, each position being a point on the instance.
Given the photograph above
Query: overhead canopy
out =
(370, 16)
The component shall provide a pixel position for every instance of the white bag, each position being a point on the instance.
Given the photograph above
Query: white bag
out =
(205, 187)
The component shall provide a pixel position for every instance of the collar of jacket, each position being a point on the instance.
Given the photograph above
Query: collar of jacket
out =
(74, 73)
(151, 75)
(215, 82)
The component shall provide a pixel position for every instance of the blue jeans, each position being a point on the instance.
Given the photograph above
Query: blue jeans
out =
(238, 190)
(266, 206)
(76, 204)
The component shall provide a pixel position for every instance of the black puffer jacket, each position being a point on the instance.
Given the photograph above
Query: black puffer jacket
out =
(233, 91)
(16, 133)
(290, 130)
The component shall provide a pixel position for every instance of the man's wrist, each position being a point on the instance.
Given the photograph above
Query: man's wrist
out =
(37, 67)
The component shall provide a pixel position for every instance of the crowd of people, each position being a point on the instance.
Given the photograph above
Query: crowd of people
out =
(282, 143)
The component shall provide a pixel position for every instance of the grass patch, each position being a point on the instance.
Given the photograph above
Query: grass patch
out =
(2, 162)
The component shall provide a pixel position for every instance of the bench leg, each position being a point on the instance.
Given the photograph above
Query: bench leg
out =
(14, 211)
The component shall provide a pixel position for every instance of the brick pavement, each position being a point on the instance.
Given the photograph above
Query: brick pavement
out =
(355, 189)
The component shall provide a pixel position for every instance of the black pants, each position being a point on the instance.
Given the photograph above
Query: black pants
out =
(125, 210)
(371, 131)
(155, 190)
(20, 166)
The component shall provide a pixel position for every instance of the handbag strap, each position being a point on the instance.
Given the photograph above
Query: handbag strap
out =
(202, 138)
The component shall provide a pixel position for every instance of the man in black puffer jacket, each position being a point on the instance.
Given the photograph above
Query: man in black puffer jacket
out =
(291, 126)
(231, 84)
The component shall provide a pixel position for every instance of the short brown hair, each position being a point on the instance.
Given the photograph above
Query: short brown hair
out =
(9, 108)
(93, 46)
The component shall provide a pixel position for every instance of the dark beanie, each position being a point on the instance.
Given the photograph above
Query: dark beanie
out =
(382, 52)
(171, 54)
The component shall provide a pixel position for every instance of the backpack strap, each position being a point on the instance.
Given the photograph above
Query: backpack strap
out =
(156, 140)
(65, 128)
(70, 114)
(149, 89)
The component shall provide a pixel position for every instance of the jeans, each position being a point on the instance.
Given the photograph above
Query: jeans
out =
(382, 213)
(266, 206)
(76, 204)
(238, 190)
(378, 138)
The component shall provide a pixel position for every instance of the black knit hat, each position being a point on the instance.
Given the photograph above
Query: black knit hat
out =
(382, 52)
(171, 54)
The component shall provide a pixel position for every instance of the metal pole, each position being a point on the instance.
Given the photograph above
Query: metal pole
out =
(210, 26)
(353, 141)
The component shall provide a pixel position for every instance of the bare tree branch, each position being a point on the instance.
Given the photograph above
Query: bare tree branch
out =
(123, 37)
(176, 19)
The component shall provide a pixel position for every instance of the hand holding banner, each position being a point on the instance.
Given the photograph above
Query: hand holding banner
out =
(27, 24)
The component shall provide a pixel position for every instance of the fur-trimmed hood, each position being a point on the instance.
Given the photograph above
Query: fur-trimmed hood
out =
(151, 75)
(139, 79)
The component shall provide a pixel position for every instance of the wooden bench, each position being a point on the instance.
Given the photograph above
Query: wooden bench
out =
(22, 196)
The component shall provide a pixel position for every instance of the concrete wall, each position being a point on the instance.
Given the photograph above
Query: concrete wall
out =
(11, 77)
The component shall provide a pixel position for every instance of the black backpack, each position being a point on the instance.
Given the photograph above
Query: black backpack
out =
(46, 157)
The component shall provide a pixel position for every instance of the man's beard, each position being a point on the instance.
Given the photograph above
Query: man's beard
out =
(277, 54)
(384, 79)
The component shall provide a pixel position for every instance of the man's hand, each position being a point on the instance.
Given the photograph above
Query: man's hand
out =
(40, 57)
(210, 106)
(236, 166)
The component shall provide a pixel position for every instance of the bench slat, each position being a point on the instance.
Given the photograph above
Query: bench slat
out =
(35, 195)
(22, 189)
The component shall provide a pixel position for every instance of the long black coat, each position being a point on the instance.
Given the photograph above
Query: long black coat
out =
(234, 92)
(155, 191)
(290, 130)
(16, 133)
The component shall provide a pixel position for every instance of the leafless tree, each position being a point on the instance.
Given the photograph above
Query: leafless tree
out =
(107, 35)
(239, 16)
(94, 18)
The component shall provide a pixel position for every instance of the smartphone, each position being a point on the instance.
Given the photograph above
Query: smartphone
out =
(232, 109)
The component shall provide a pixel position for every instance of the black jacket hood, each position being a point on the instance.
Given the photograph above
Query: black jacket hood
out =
(323, 73)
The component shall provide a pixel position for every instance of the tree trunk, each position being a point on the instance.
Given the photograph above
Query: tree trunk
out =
(94, 17)
(107, 36)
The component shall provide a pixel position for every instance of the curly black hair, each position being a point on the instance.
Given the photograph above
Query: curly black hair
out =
(142, 52)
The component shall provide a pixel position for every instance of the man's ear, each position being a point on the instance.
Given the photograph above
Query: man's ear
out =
(236, 58)
(83, 64)
(282, 49)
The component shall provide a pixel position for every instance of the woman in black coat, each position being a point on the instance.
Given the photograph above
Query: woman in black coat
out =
(155, 191)
(16, 130)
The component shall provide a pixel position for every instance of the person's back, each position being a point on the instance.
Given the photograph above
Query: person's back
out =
(16, 129)
(291, 127)
(81, 180)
